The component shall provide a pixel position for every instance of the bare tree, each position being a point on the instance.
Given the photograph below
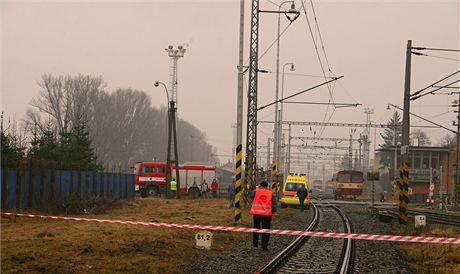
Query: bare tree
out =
(66, 99)
(422, 138)
(447, 140)
(123, 126)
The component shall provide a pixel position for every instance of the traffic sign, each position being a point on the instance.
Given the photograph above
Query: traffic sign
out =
(373, 176)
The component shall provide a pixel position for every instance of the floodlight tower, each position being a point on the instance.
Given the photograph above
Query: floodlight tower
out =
(174, 54)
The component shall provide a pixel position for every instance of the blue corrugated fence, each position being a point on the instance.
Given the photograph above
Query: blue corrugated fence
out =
(43, 188)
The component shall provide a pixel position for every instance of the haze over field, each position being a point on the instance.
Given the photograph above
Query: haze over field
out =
(124, 43)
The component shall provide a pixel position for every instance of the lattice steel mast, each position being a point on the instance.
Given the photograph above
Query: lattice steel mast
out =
(251, 133)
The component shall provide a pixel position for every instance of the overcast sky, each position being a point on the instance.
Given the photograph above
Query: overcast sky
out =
(124, 42)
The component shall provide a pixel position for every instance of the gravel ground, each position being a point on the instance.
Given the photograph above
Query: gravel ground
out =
(375, 256)
(371, 256)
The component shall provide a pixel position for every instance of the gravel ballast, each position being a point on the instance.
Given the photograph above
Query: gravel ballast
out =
(371, 256)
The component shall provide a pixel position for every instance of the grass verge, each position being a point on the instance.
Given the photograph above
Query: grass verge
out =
(36, 245)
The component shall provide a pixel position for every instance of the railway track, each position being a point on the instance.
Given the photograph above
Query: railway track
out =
(433, 217)
(317, 255)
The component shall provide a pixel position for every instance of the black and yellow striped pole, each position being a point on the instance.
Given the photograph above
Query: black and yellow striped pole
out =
(238, 184)
(404, 167)
(274, 178)
(403, 192)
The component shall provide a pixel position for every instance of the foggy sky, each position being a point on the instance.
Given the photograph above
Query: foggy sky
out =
(124, 42)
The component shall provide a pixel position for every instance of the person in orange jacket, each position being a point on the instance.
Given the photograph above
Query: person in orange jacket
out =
(262, 209)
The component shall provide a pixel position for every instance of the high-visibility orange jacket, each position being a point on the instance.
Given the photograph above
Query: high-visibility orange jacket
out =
(262, 203)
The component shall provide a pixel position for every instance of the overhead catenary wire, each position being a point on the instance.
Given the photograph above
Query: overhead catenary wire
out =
(431, 122)
(433, 91)
(300, 92)
(436, 49)
(437, 82)
(441, 57)
(319, 58)
(320, 36)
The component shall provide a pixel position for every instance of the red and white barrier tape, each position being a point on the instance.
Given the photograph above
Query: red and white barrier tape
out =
(393, 238)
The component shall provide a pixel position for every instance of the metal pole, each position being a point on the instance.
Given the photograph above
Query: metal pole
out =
(457, 170)
(395, 171)
(277, 134)
(176, 158)
(350, 153)
(280, 123)
(268, 153)
(168, 156)
(373, 193)
(404, 166)
(239, 120)
(289, 151)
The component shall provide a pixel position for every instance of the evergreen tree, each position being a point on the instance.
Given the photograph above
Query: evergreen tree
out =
(391, 137)
(10, 151)
(45, 146)
(75, 149)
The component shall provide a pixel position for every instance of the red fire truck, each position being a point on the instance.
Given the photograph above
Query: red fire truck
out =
(151, 178)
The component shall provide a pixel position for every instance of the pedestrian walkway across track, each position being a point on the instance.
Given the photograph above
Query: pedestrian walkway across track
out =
(356, 236)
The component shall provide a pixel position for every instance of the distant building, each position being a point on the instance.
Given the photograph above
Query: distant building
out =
(440, 162)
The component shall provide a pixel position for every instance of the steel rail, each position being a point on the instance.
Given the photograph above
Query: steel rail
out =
(346, 260)
(433, 217)
(284, 255)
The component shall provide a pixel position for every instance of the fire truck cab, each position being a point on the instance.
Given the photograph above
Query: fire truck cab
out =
(195, 178)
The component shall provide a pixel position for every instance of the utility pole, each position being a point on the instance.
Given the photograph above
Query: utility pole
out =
(335, 156)
(359, 164)
(289, 151)
(457, 175)
(251, 133)
(239, 120)
(366, 142)
(350, 153)
(404, 167)
(252, 93)
(268, 153)
(174, 54)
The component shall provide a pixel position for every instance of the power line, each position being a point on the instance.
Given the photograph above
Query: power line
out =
(433, 91)
(319, 60)
(320, 37)
(441, 126)
(298, 123)
(441, 57)
(437, 82)
(300, 92)
(437, 49)
(329, 103)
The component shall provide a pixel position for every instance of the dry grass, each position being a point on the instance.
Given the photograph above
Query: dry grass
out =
(432, 258)
(33, 245)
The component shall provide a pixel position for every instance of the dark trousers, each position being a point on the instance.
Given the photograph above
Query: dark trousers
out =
(301, 200)
(263, 221)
